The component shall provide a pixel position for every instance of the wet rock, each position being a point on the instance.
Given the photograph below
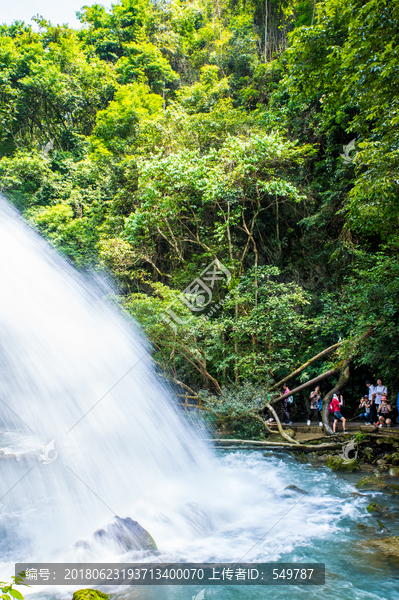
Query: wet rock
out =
(394, 472)
(383, 528)
(301, 457)
(294, 488)
(366, 467)
(388, 545)
(127, 535)
(375, 482)
(373, 507)
(371, 482)
(290, 432)
(366, 530)
(395, 458)
(367, 452)
(89, 594)
(381, 462)
(338, 463)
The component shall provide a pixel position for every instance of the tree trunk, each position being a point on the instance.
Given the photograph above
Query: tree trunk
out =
(306, 364)
(299, 447)
(308, 384)
(281, 430)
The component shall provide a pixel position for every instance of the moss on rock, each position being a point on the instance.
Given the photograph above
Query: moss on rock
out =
(338, 463)
(374, 507)
(375, 482)
(89, 594)
(371, 482)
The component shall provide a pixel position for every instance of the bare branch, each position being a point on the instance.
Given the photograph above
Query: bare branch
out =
(264, 423)
(281, 430)
(228, 442)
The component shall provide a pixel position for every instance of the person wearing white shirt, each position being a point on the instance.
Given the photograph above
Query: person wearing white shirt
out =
(370, 389)
(379, 390)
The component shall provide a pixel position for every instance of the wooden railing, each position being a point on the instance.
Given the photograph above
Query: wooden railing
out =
(186, 404)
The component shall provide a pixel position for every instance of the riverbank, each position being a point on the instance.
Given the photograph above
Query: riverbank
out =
(363, 448)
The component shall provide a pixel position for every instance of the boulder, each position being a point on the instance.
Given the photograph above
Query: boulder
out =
(394, 472)
(388, 545)
(373, 507)
(294, 488)
(89, 594)
(126, 534)
(290, 432)
(339, 463)
(375, 482)
(371, 482)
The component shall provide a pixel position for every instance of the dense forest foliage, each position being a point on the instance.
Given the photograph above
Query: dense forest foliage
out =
(161, 137)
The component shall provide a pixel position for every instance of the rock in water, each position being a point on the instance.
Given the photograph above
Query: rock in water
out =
(389, 545)
(294, 488)
(394, 472)
(339, 463)
(371, 483)
(89, 594)
(374, 507)
(127, 535)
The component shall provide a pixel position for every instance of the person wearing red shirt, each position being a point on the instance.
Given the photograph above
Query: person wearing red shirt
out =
(337, 415)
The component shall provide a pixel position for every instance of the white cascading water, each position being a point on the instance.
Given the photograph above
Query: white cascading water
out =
(76, 370)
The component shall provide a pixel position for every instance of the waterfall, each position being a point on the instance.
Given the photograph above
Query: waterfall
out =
(81, 407)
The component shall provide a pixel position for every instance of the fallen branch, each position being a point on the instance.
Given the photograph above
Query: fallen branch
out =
(264, 423)
(230, 442)
(281, 430)
(308, 384)
(306, 364)
(266, 426)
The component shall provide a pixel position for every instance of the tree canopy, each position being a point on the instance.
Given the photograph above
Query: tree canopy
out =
(161, 137)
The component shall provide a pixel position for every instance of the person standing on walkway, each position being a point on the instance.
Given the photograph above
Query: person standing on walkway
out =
(337, 415)
(316, 403)
(378, 391)
(373, 411)
(286, 404)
